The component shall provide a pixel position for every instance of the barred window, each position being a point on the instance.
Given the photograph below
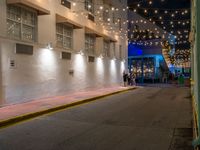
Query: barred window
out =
(21, 23)
(113, 18)
(106, 48)
(89, 6)
(90, 40)
(64, 35)
(120, 23)
(106, 16)
(114, 50)
(120, 51)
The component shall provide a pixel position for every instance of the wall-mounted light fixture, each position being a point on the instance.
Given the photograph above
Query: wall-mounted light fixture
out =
(49, 46)
(101, 56)
(114, 58)
(81, 52)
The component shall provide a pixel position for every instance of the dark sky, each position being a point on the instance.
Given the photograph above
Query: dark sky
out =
(166, 4)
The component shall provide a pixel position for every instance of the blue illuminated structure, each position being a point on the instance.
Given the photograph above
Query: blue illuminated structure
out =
(147, 63)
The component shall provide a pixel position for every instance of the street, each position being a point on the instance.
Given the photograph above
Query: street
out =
(148, 118)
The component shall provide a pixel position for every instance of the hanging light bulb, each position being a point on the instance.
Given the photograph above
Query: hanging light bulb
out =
(101, 7)
(89, 6)
(186, 11)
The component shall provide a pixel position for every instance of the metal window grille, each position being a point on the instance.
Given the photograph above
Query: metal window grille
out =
(106, 49)
(64, 35)
(120, 52)
(89, 6)
(90, 44)
(21, 23)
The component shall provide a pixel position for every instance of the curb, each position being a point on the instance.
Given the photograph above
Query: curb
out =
(17, 119)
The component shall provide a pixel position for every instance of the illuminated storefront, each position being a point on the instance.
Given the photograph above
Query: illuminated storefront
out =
(147, 65)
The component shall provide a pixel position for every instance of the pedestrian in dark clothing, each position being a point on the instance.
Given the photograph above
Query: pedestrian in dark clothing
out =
(129, 78)
(125, 78)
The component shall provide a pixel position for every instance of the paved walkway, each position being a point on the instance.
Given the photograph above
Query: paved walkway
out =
(17, 112)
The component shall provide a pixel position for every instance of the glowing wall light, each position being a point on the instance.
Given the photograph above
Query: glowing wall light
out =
(47, 65)
(122, 66)
(100, 66)
(47, 58)
(79, 63)
(113, 66)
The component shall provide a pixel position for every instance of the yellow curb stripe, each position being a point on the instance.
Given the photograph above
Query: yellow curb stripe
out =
(195, 119)
(17, 119)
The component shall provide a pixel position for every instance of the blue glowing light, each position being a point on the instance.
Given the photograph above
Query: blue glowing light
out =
(134, 50)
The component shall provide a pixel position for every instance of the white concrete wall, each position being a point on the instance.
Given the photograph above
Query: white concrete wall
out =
(44, 74)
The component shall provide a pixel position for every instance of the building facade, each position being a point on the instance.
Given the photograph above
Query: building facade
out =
(147, 63)
(50, 47)
(146, 55)
(195, 77)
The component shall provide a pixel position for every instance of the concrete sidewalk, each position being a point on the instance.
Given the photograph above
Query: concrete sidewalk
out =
(18, 112)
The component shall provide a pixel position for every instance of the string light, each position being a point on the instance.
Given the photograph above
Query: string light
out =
(171, 13)
(101, 7)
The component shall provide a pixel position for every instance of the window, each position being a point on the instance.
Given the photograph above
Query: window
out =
(114, 50)
(106, 49)
(66, 3)
(120, 23)
(64, 35)
(89, 6)
(120, 52)
(21, 23)
(113, 18)
(90, 44)
(106, 16)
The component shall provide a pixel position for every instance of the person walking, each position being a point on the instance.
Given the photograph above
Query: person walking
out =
(125, 76)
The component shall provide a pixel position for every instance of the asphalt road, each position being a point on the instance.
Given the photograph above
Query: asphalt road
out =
(144, 119)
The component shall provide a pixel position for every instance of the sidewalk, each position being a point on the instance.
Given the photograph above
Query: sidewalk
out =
(18, 112)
